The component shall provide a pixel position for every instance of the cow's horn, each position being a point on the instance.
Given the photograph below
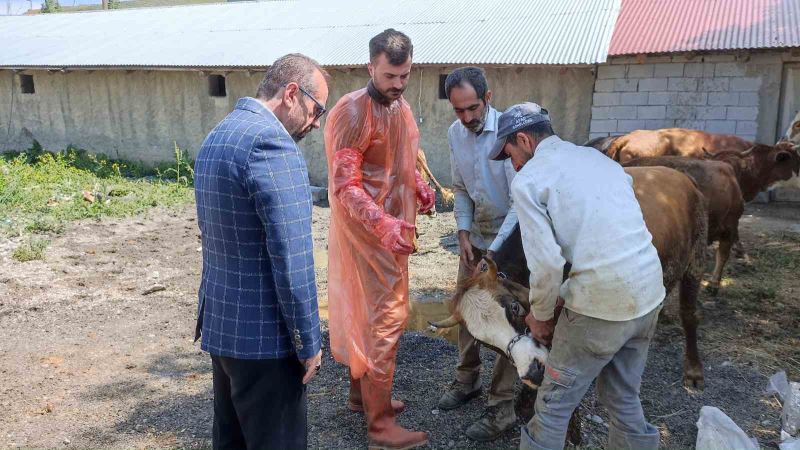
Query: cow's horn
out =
(446, 323)
(747, 152)
(707, 153)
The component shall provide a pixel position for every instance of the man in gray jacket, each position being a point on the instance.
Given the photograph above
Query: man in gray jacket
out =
(576, 205)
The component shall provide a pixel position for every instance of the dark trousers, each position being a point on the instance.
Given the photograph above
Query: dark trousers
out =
(259, 404)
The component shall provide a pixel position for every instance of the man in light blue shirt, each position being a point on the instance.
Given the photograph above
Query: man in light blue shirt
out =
(484, 217)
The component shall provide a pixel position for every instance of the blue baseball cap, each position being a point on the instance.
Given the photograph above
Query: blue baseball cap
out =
(516, 118)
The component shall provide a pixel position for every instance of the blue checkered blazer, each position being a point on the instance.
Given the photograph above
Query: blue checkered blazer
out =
(257, 295)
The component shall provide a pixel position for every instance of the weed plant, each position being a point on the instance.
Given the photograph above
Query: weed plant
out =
(41, 191)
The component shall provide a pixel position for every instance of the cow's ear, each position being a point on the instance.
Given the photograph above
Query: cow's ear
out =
(490, 276)
(783, 156)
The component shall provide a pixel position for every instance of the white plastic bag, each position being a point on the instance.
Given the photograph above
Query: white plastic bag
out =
(716, 431)
(778, 384)
(789, 395)
(788, 442)
(790, 418)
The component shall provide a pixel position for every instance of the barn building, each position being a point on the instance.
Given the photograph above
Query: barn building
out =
(129, 83)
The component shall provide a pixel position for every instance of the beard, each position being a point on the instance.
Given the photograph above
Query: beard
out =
(298, 136)
(476, 125)
(297, 127)
(393, 92)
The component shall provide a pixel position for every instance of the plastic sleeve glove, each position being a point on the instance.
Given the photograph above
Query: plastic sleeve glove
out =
(425, 195)
(349, 190)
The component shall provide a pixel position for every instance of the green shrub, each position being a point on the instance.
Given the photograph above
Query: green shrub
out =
(30, 250)
(40, 191)
(50, 6)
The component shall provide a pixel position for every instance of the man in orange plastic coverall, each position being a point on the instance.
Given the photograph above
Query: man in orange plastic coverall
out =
(371, 141)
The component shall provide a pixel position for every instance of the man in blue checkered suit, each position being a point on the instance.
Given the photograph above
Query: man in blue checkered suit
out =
(257, 311)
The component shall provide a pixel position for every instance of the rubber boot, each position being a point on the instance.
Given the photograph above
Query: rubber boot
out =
(354, 403)
(382, 430)
(618, 440)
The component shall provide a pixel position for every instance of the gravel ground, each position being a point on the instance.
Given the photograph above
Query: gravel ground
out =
(88, 361)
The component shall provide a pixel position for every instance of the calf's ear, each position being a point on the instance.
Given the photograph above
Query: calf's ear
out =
(489, 278)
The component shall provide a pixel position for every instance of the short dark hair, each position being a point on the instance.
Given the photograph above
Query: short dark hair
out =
(294, 67)
(474, 76)
(537, 130)
(395, 44)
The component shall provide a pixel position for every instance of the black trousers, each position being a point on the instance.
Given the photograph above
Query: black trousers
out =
(259, 404)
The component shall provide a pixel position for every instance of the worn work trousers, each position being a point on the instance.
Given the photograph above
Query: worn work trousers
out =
(469, 364)
(585, 348)
(259, 404)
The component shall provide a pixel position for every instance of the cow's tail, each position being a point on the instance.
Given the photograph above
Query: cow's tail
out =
(700, 217)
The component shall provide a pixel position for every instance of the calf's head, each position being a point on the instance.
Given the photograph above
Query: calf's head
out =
(493, 309)
(778, 163)
(762, 166)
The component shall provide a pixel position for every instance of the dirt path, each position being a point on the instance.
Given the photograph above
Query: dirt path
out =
(86, 360)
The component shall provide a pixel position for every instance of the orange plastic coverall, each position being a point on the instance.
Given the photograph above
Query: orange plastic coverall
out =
(374, 187)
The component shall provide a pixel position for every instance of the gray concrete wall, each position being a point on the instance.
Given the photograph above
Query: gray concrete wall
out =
(137, 115)
(134, 115)
(719, 93)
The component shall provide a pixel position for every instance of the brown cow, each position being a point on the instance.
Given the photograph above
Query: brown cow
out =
(493, 309)
(673, 142)
(760, 166)
(602, 143)
(718, 183)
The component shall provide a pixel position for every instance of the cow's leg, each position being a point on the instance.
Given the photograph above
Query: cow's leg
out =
(723, 253)
(692, 367)
(738, 249)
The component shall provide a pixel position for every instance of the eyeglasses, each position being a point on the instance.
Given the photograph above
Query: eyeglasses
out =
(319, 108)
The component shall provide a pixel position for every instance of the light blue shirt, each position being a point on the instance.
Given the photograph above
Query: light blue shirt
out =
(481, 187)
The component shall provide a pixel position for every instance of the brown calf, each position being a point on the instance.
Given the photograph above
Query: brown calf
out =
(760, 166)
(725, 205)
(674, 211)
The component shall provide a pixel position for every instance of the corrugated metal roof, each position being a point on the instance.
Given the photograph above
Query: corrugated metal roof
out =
(336, 33)
(665, 26)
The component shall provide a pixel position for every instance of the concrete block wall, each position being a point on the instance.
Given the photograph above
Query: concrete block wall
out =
(718, 93)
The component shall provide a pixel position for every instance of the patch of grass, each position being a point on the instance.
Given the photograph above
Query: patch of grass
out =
(756, 316)
(30, 250)
(43, 224)
(40, 191)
